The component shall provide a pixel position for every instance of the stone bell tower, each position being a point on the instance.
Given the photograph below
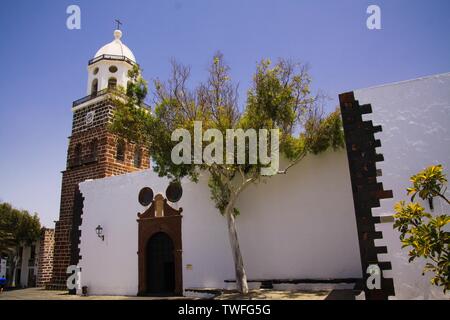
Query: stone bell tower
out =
(94, 152)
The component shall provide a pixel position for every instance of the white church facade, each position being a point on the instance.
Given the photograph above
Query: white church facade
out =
(303, 229)
(286, 229)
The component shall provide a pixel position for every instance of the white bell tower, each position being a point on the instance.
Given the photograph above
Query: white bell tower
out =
(110, 65)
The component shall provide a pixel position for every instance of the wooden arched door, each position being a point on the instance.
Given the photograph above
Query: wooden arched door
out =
(160, 264)
(160, 249)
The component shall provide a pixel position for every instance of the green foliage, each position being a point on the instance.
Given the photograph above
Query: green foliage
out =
(220, 193)
(280, 98)
(323, 134)
(271, 102)
(137, 87)
(16, 227)
(131, 119)
(428, 183)
(426, 235)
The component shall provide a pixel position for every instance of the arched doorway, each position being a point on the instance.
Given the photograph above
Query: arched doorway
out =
(160, 249)
(160, 264)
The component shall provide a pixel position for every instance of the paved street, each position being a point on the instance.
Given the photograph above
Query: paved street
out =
(42, 294)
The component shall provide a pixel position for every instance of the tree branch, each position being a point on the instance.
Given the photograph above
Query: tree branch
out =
(293, 163)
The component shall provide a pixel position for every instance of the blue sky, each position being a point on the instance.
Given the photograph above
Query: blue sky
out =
(44, 64)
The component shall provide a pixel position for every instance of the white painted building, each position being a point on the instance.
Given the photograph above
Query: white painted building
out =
(31, 264)
(415, 116)
(297, 226)
(286, 229)
(26, 266)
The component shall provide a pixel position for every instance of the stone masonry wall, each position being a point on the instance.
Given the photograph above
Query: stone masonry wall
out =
(45, 257)
(83, 167)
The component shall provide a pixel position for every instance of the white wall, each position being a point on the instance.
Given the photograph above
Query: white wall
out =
(415, 116)
(110, 266)
(296, 226)
(104, 74)
(24, 267)
(2, 268)
(302, 225)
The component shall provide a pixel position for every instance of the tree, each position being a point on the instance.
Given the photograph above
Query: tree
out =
(426, 235)
(130, 121)
(17, 228)
(280, 98)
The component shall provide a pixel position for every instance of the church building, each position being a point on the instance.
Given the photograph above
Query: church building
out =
(93, 151)
(322, 225)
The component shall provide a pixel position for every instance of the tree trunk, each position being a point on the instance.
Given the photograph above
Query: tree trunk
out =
(13, 269)
(241, 277)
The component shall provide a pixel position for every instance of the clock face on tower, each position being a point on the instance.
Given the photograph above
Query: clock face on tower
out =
(90, 117)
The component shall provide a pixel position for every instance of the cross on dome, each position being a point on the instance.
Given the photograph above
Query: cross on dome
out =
(119, 23)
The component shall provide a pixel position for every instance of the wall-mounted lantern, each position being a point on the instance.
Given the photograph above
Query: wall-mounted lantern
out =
(99, 231)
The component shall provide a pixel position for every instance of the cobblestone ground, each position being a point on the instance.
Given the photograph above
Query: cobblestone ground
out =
(42, 294)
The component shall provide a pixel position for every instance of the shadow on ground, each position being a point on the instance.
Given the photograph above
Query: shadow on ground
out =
(263, 294)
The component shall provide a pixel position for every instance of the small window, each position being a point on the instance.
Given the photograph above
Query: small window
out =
(93, 149)
(120, 151)
(94, 87)
(137, 157)
(77, 154)
(113, 69)
(95, 71)
(112, 83)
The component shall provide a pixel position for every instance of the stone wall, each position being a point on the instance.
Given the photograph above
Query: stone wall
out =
(45, 257)
(84, 166)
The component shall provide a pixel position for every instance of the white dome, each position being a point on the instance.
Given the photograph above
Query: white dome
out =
(116, 48)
